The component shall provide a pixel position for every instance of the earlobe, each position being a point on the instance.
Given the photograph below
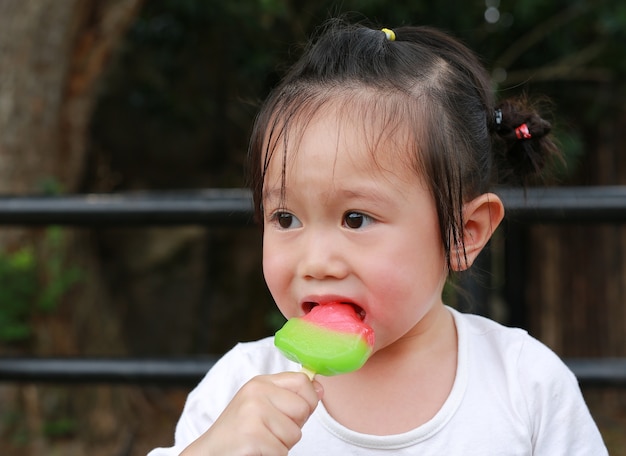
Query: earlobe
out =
(481, 217)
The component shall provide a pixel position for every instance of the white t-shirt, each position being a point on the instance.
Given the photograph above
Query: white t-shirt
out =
(511, 396)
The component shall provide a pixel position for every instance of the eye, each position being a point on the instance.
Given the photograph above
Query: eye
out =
(356, 220)
(286, 220)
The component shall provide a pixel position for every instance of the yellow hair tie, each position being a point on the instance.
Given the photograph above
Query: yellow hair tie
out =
(391, 36)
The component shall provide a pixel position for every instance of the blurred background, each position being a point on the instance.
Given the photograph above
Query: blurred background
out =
(134, 96)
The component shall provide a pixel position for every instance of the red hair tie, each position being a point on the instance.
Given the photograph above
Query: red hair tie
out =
(522, 132)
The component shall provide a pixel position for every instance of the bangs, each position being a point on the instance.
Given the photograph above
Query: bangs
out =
(389, 123)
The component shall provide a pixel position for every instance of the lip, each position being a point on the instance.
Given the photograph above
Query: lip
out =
(312, 301)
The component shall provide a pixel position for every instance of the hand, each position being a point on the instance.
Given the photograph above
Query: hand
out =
(265, 417)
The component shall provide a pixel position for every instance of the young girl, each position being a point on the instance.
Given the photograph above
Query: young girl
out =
(371, 166)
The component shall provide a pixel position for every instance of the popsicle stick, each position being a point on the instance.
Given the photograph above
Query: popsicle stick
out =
(309, 373)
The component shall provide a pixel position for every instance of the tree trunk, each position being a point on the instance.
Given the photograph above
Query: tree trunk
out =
(52, 56)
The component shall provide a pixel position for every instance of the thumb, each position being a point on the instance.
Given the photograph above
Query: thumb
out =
(319, 389)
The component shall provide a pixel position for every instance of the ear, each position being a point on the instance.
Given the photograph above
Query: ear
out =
(481, 217)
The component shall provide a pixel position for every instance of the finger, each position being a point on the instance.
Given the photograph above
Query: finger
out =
(299, 383)
(291, 395)
(292, 406)
(277, 401)
(319, 390)
(284, 429)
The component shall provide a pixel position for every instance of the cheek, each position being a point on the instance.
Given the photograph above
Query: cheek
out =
(275, 270)
(269, 265)
(410, 277)
(403, 296)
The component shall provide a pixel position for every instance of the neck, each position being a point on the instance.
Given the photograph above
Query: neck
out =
(402, 385)
(435, 333)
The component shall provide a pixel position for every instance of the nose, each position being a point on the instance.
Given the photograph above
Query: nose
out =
(323, 257)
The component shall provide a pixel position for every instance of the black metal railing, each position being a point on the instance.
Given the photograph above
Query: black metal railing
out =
(211, 207)
(232, 207)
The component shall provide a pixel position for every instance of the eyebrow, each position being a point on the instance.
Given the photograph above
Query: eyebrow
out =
(367, 193)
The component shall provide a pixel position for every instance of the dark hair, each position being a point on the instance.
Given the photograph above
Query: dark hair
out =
(425, 80)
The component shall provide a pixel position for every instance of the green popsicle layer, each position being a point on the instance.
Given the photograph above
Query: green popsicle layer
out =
(327, 345)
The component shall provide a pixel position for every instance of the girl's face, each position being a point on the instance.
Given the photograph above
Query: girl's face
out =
(351, 229)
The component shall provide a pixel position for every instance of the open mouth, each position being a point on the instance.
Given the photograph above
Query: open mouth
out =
(308, 306)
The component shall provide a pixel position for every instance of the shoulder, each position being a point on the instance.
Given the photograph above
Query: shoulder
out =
(521, 360)
(513, 344)
(540, 388)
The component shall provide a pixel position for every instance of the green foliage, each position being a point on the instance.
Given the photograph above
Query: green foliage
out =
(18, 282)
(32, 284)
(15, 424)
(60, 427)
(58, 278)
(50, 186)
(193, 71)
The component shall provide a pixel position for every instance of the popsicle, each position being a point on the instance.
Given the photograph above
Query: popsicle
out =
(331, 339)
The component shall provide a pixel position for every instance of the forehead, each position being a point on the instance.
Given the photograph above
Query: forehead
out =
(372, 133)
